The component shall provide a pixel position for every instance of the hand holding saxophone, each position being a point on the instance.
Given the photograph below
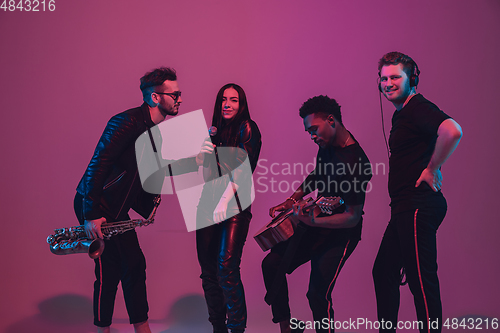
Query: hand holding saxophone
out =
(88, 238)
(93, 228)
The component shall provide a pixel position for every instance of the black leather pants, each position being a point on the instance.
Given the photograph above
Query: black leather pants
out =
(219, 248)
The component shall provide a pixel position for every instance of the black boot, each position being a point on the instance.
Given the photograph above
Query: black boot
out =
(285, 327)
(299, 330)
(220, 329)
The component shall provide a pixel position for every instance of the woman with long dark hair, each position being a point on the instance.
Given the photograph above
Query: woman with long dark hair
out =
(223, 215)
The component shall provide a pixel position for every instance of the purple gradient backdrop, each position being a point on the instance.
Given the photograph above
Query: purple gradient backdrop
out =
(65, 73)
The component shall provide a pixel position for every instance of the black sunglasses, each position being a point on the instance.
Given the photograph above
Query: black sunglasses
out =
(175, 95)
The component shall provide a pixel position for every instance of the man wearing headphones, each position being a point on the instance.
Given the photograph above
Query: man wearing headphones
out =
(421, 140)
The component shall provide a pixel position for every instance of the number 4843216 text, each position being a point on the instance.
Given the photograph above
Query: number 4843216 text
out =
(28, 5)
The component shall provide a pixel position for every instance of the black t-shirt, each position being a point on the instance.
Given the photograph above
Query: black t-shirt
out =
(343, 172)
(412, 141)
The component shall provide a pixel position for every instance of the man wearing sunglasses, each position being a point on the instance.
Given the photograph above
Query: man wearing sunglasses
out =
(166, 98)
(111, 186)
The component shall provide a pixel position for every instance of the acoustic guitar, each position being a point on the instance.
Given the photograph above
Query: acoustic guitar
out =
(282, 227)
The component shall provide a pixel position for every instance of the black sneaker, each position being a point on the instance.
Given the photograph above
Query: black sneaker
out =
(297, 329)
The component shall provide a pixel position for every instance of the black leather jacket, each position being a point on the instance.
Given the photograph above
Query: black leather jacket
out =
(248, 140)
(111, 184)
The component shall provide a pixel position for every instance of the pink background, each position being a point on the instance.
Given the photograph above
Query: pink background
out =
(63, 74)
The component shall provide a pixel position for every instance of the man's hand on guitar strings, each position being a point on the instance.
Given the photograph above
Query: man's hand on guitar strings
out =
(303, 216)
(281, 207)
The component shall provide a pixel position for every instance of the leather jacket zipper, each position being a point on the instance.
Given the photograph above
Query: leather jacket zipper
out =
(127, 194)
(117, 179)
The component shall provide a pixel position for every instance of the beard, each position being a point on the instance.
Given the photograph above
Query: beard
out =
(170, 111)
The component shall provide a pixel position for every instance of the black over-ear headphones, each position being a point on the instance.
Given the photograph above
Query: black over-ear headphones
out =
(413, 76)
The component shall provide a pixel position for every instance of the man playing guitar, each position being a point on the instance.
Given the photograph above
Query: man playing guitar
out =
(342, 170)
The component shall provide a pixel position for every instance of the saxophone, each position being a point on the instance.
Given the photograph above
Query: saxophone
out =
(74, 239)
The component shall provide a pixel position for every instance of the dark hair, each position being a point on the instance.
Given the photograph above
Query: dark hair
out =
(154, 78)
(323, 105)
(231, 127)
(394, 58)
(157, 76)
